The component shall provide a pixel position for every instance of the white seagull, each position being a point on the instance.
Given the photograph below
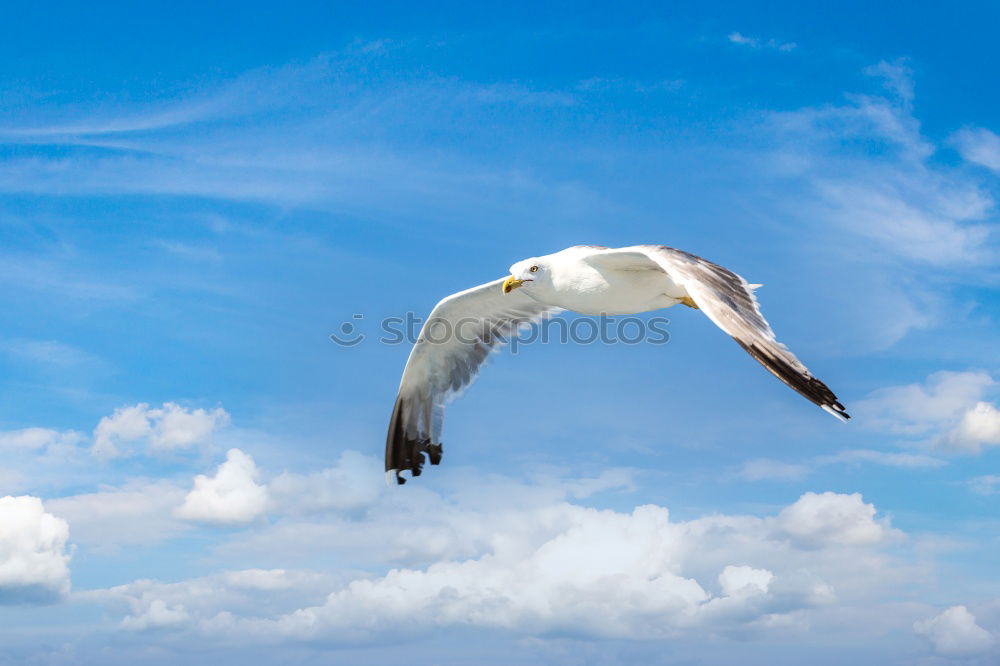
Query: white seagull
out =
(465, 327)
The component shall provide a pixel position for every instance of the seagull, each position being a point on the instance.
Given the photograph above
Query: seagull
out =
(464, 328)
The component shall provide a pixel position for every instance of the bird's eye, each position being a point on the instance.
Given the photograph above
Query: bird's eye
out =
(533, 269)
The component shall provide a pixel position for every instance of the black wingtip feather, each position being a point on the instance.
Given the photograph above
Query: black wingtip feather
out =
(403, 452)
(807, 385)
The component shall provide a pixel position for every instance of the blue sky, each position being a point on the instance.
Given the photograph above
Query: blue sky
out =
(193, 199)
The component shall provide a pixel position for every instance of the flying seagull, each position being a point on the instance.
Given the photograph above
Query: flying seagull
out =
(465, 327)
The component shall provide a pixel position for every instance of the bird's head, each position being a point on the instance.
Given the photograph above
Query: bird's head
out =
(526, 273)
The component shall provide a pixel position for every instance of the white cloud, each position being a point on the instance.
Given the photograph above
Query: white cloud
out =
(47, 353)
(919, 409)
(946, 409)
(979, 427)
(34, 563)
(36, 439)
(346, 487)
(830, 518)
(138, 512)
(755, 43)
(178, 428)
(894, 198)
(735, 580)
(738, 38)
(167, 428)
(954, 633)
(599, 573)
(923, 218)
(232, 496)
(155, 614)
(888, 458)
(898, 77)
(889, 230)
(152, 605)
(513, 564)
(761, 469)
(127, 424)
(987, 484)
(143, 511)
(979, 146)
(304, 154)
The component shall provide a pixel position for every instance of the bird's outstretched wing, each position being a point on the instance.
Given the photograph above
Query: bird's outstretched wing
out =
(453, 343)
(729, 302)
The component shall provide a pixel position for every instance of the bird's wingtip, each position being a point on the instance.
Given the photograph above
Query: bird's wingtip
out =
(840, 415)
(391, 478)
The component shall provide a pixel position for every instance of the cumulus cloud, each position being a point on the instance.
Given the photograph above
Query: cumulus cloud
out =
(549, 569)
(979, 146)
(819, 519)
(145, 511)
(167, 428)
(954, 633)
(232, 496)
(152, 605)
(918, 409)
(979, 428)
(155, 614)
(735, 580)
(601, 573)
(946, 409)
(34, 562)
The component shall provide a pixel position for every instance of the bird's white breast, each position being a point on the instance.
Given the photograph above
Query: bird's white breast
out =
(577, 285)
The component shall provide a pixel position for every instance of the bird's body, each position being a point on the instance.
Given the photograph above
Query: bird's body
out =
(593, 288)
(465, 327)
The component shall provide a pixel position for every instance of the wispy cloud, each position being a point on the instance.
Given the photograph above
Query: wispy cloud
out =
(979, 146)
(873, 196)
(602, 84)
(898, 78)
(300, 134)
(987, 484)
(867, 165)
(766, 469)
(757, 43)
(54, 276)
(51, 353)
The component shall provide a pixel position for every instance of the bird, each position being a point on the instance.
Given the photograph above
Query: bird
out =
(464, 328)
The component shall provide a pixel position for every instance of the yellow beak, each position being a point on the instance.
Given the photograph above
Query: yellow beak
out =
(510, 284)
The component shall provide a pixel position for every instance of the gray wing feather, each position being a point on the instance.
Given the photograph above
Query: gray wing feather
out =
(729, 301)
(457, 338)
